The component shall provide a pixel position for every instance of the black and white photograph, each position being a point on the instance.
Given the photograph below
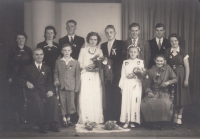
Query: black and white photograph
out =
(99, 69)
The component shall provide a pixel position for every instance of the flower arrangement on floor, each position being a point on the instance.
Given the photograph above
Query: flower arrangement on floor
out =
(105, 64)
(89, 125)
(111, 125)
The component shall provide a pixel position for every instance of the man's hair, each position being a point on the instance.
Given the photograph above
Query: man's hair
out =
(110, 26)
(37, 49)
(66, 45)
(158, 25)
(72, 21)
(134, 25)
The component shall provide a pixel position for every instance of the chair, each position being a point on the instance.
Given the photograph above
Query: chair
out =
(172, 98)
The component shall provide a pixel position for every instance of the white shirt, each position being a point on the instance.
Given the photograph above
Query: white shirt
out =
(70, 37)
(178, 50)
(38, 65)
(136, 41)
(67, 61)
(157, 40)
(110, 44)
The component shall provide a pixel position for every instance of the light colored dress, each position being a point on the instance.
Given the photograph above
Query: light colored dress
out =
(90, 105)
(132, 92)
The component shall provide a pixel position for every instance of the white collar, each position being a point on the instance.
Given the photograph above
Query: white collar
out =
(175, 49)
(70, 59)
(71, 36)
(135, 39)
(111, 42)
(157, 39)
(38, 65)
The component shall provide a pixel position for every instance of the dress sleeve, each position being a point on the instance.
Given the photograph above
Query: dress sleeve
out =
(10, 65)
(100, 53)
(81, 58)
(123, 76)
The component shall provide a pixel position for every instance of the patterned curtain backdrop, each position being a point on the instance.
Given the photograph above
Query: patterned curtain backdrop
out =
(179, 16)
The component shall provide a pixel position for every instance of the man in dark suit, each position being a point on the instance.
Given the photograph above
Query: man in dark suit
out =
(159, 44)
(37, 77)
(136, 41)
(116, 51)
(76, 41)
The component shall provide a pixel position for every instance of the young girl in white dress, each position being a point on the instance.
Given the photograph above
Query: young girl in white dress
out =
(131, 89)
(90, 99)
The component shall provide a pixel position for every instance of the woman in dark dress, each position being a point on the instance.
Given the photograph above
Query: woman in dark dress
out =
(50, 48)
(156, 105)
(19, 56)
(177, 58)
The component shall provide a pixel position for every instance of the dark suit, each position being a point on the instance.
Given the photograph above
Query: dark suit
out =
(145, 52)
(155, 49)
(76, 46)
(113, 94)
(43, 109)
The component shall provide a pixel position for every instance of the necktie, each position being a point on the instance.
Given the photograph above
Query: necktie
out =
(72, 40)
(109, 48)
(133, 42)
(159, 44)
(39, 68)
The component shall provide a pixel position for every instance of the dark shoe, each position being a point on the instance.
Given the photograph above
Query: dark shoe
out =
(64, 124)
(162, 126)
(43, 128)
(55, 127)
(70, 123)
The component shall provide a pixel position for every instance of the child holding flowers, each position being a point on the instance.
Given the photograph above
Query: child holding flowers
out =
(131, 88)
(67, 75)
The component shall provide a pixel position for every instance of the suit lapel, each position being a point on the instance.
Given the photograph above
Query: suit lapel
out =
(34, 69)
(114, 46)
(75, 39)
(129, 42)
(42, 72)
(155, 44)
(67, 39)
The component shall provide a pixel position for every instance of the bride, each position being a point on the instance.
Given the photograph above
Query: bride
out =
(90, 97)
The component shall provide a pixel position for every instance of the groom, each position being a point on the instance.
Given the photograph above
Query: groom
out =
(116, 51)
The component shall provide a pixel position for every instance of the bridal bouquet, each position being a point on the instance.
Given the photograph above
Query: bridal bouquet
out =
(105, 64)
(89, 125)
(111, 125)
(140, 73)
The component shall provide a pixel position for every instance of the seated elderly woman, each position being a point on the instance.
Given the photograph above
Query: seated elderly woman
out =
(156, 105)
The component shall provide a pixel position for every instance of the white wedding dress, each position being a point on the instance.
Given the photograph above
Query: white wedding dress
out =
(90, 105)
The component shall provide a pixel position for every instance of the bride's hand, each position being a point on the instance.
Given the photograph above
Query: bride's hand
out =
(91, 66)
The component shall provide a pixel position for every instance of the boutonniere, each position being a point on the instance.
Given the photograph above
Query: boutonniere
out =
(147, 76)
(114, 51)
(74, 45)
(43, 73)
(138, 62)
(126, 63)
(163, 47)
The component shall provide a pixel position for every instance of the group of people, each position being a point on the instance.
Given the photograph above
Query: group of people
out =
(83, 93)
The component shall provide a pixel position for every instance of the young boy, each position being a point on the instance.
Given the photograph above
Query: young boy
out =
(67, 77)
